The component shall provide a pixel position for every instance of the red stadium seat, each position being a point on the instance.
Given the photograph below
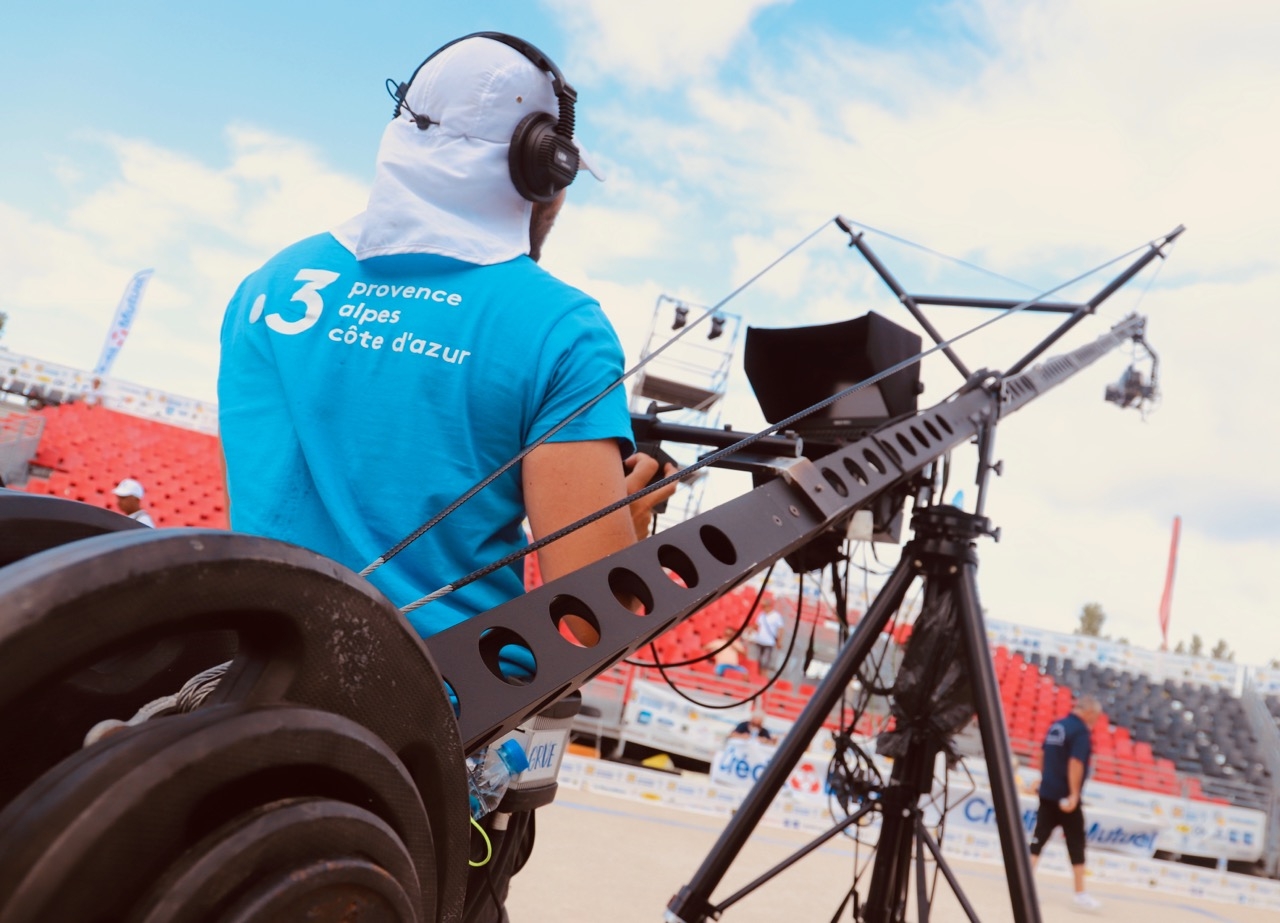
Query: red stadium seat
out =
(90, 449)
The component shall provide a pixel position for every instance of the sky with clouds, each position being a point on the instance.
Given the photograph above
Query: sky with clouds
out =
(1037, 138)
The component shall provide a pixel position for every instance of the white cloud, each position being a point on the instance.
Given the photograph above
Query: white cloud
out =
(203, 227)
(1102, 130)
(655, 44)
(157, 196)
(1072, 132)
(1068, 132)
(610, 234)
(753, 253)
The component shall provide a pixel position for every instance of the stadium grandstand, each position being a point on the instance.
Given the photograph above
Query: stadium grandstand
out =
(1184, 731)
(84, 451)
(67, 433)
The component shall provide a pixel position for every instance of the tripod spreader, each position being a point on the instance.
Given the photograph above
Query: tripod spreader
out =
(950, 644)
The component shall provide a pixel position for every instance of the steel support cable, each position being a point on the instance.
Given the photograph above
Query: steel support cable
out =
(929, 250)
(519, 456)
(479, 486)
(1155, 402)
(1165, 250)
(738, 446)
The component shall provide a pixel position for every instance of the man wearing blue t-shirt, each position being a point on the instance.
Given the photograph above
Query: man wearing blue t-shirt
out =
(372, 374)
(1067, 748)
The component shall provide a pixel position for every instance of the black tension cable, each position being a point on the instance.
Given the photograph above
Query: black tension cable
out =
(519, 456)
(736, 635)
(791, 645)
(745, 442)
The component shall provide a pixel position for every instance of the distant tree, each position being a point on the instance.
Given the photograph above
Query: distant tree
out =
(1221, 651)
(1275, 663)
(1197, 646)
(3, 320)
(1181, 648)
(1091, 620)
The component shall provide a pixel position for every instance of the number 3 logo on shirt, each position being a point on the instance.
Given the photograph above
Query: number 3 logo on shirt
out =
(309, 295)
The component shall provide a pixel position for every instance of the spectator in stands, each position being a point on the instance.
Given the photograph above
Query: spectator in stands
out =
(765, 636)
(93, 396)
(728, 653)
(752, 729)
(129, 494)
(1067, 748)
(464, 351)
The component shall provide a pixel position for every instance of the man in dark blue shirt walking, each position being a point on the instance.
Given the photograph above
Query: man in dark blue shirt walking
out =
(1067, 748)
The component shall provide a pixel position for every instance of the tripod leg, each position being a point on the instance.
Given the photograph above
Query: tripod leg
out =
(922, 884)
(887, 893)
(693, 902)
(995, 743)
(924, 840)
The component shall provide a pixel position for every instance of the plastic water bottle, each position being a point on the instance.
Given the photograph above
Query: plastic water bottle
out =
(489, 773)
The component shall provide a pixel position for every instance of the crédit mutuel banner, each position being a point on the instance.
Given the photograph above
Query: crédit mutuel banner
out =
(741, 763)
(1128, 821)
(1117, 820)
(126, 310)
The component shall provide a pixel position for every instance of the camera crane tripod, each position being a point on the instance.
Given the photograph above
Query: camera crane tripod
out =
(811, 498)
(950, 626)
(322, 791)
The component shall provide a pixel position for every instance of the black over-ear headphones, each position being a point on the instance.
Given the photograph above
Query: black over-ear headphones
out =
(543, 158)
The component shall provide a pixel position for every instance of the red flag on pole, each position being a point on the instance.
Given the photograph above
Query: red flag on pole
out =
(1166, 601)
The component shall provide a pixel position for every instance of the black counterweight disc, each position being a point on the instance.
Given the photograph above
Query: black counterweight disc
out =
(284, 851)
(189, 817)
(306, 631)
(52, 721)
(31, 523)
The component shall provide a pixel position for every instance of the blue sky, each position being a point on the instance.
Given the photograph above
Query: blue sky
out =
(1038, 138)
(179, 73)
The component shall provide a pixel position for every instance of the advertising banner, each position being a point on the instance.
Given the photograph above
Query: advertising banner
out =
(1117, 856)
(1266, 680)
(1187, 827)
(657, 717)
(112, 393)
(1118, 819)
(1130, 834)
(741, 762)
(1191, 828)
(122, 322)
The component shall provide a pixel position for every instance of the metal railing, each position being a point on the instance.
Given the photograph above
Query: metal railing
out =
(1265, 729)
(20, 434)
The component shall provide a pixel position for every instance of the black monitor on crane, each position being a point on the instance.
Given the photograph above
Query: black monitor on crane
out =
(796, 367)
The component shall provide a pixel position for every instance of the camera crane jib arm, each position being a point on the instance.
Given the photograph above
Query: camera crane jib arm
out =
(714, 552)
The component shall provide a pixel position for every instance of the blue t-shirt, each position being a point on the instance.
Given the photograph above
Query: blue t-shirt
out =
(357, 399)
(1067, 738)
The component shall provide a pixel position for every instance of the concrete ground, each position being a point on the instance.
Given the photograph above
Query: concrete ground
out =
(609, 859)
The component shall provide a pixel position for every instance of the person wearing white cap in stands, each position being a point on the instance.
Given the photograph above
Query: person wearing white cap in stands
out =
(129, 494)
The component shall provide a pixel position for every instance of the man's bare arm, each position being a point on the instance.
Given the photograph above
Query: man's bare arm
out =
(1075, 782)
(564, 481)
